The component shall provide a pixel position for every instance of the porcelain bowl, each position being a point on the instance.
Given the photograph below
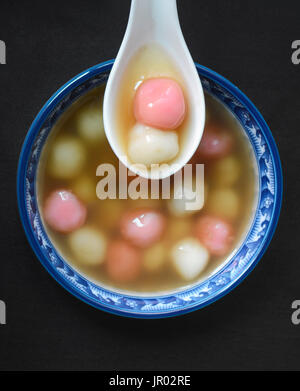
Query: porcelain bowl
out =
(250, 251)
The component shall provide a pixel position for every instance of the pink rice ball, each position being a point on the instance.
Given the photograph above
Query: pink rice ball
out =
(215, 234)
(216, 143)
(143, 227)
(123, 261)
(64, 212)
(159, 103)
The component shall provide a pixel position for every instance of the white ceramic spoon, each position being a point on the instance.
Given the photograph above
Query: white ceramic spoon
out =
(156, 21)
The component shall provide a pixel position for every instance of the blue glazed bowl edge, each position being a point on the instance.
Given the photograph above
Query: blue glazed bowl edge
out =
(22, 167)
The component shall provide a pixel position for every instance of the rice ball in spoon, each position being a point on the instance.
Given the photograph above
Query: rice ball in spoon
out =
(147, 145)
(159, 103)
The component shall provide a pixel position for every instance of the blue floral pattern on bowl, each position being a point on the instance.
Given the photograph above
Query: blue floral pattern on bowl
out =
(200, 295)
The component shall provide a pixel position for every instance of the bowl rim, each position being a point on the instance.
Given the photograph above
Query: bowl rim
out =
(21, 199)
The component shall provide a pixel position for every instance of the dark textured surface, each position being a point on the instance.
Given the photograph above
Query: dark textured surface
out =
(248, 42)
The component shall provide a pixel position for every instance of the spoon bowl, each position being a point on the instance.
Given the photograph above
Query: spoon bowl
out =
(155, 22)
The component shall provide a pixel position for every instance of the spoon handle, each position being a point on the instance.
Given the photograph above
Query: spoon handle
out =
(153, 20)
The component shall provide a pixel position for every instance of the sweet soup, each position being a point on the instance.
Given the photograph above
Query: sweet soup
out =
(152, 108)
(143, 245)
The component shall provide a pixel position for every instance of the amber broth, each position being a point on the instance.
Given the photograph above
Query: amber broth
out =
(105, 214)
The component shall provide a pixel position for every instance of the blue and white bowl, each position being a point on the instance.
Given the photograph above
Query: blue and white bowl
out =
(178, 302)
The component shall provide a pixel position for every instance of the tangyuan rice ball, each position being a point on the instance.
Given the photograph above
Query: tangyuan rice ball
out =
(67, 158)
(187, 199)
(148, 145)
(216, 234)
(64, 212)
(159, 102)
(216, 143)
(143, 227)
(88, 246)
(90, 123)
(123, 261)
(224, 202)
(226, 171)
(189, 258)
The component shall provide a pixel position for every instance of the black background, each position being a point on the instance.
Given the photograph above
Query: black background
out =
(249, 42)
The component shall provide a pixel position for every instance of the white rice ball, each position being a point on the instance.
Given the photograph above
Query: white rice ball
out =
(67, 158)
(224, 203)
(88, 246)
(90, 124)
(152, 146)
(226, 171)
(189, 258)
